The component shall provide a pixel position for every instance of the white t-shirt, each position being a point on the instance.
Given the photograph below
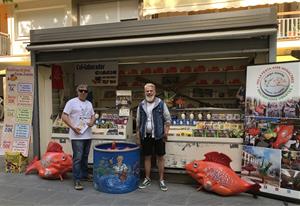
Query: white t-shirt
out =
(80, 113)
(149, 108)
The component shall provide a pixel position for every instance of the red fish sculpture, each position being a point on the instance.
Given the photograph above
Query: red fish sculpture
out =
(215, 174)
(284, 134)
(54, 164)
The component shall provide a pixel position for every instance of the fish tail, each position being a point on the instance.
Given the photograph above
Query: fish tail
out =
(31, 165)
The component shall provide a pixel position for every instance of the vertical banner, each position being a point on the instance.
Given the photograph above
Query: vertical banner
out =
(18, 108)
(271, 155)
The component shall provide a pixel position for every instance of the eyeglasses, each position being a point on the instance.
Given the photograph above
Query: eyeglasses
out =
(83, 91)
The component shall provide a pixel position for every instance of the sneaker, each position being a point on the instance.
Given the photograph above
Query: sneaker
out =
(78, 185)
(145, 183)
(162, 185)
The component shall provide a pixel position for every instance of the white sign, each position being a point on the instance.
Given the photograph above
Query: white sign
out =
(273, 90)
(97, 74)
(123, 102)
(274, 82)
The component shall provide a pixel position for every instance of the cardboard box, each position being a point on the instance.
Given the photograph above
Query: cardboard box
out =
(15, 162)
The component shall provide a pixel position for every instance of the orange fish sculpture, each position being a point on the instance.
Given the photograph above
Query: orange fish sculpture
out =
(215, 174)
(54, 164)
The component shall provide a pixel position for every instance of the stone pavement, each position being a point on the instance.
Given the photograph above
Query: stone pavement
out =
(20, 189)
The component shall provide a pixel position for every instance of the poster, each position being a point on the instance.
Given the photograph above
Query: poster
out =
(97, 74)
(271, 155)
(18, 108)
(123, 102)
(273, 90)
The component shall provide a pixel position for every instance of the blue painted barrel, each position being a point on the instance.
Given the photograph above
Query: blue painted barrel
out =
(116, 170)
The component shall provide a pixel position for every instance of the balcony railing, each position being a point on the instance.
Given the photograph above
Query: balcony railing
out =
(288, 28)
(4, 44)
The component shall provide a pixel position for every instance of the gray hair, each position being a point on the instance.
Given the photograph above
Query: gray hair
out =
(150, 85)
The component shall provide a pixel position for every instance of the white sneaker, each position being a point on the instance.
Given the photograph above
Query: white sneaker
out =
(162, 185)
(145, 183)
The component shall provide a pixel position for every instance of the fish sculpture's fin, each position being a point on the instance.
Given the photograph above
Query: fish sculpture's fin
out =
(54, 147)
(60, 177)
(218, 158)
(31, 165)
(254, 188)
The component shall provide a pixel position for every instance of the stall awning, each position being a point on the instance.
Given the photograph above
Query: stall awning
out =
(14, 61)
(162, 6)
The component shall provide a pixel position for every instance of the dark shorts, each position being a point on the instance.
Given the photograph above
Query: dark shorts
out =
(150, 146)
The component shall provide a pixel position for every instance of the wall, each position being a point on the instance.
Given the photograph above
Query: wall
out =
(107, 12)
(3, 18)
(36, 15)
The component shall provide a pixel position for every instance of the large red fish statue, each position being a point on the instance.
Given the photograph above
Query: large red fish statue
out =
(54, 164)
(215, 174)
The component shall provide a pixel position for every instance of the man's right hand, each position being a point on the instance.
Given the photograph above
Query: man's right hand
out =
(77, 130)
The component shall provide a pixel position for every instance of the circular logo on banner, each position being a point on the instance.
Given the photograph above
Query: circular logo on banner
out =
(275, 82)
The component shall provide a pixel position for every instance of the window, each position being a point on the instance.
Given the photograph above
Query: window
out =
(108, 12)
(41, 18)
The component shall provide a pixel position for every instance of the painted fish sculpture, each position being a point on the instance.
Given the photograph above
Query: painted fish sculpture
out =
(54, 164)
(215, 174)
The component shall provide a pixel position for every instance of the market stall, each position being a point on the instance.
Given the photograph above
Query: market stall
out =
(199, 60)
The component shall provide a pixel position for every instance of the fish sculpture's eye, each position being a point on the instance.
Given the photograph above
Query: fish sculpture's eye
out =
(63, 158)
(195, 165)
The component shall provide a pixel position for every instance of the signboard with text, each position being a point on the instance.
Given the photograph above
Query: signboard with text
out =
(272, 131)
(97, 74)
(18, 108)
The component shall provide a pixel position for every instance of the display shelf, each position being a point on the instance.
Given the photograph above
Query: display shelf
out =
(137, 88)
(179, 73)
(214, 98)
(218, 140)
(191, 139)
(214, 85)
(208, 109)
(60, 135)
(95, 136)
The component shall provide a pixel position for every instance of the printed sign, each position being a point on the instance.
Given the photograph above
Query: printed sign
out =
(97, 74)
(123, 102)
(271, 155)
(25, 100)
(18, 110)
(20, 146)
(25, 88)
(275, 92)
(24, 115)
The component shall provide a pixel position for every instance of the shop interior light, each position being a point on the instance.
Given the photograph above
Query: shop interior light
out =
(158, 61)
(167, 61)
(221, 58)
(130, 63)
